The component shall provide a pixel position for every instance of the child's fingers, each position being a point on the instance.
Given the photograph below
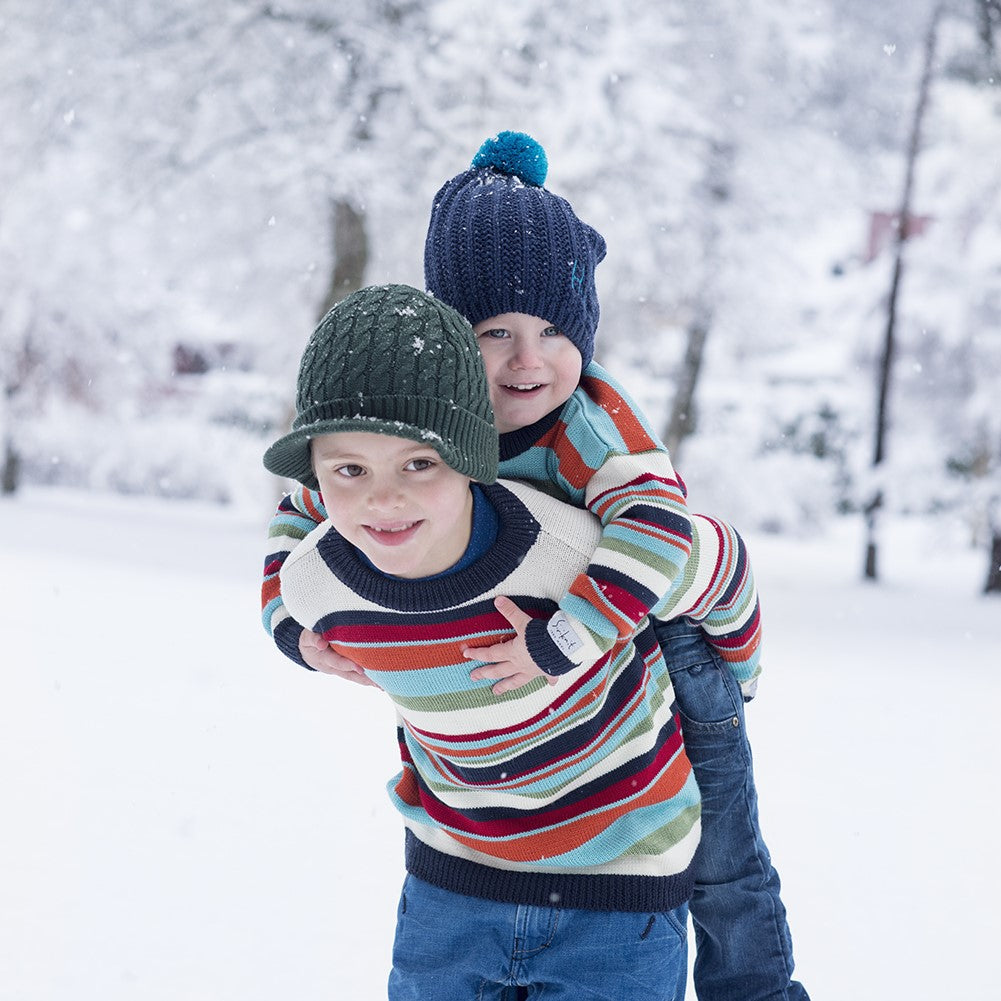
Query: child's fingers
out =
(492, 654)
(493, 671)
(512, 612)
(508, 685)
(507, 676)
(309, 641)
(511, 683)
(358, 679)
(518, 680)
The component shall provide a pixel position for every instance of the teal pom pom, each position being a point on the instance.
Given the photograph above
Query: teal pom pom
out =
(514, 153)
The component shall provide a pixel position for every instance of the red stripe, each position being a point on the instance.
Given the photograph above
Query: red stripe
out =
(395, 632)
(715, 583)
(667, 488)
(624, 789)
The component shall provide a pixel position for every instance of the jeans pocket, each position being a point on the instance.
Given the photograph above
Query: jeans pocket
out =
(678, 920)
(708, 695)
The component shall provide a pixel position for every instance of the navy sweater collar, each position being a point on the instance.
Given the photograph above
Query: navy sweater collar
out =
(517, 531)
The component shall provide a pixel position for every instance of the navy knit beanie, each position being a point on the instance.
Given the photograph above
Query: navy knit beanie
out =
(499, 242)
(392, 360)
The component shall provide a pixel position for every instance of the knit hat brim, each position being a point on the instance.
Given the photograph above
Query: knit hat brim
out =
(466, 442)
(392, 360)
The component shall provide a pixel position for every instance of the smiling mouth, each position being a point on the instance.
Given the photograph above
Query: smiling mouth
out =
(524, 387)
(393, 535)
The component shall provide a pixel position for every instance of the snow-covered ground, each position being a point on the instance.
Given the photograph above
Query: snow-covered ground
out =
(188, 817)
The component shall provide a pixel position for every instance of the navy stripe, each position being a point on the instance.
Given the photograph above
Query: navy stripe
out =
(513, 443)
(652, 515)
(646, 597)
(486, 814)
(739, 573)
(541, 608)
(643, 894)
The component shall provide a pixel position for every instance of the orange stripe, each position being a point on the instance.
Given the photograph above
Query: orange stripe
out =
(311, 508)
(658, 532)
(271, 588)
(413, 657)
(584, 587)
(407, 789)
(629, 425)
(646, 495)
(572, 465)
(573, 834)
(741, 654)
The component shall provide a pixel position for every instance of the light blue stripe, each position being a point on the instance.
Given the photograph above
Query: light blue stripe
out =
(445, 679)
(608, 846)
(268, 612)
(625, 832)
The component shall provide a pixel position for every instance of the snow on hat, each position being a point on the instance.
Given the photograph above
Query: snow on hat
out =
(392, 360)
(499, 242)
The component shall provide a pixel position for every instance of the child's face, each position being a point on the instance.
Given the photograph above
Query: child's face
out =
(531, 367)
(395, 499)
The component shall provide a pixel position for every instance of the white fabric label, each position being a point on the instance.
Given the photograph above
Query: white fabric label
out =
(563, 634)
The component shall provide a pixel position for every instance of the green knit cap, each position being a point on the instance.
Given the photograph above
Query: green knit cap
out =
(392, 360)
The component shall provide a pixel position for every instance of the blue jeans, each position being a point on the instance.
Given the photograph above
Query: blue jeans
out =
(743, 946)
(451, 947)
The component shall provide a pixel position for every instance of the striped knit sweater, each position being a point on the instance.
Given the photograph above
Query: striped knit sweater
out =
(598, 452)
(579, 791)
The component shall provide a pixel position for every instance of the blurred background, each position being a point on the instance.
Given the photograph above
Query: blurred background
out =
(801, 203)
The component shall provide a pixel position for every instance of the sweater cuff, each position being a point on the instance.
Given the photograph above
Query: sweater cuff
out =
(286, 637)
(544, 651)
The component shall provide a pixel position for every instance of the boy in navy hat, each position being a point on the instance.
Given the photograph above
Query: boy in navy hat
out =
(517, 262)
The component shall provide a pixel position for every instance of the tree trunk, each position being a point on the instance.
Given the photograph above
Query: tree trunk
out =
(10, 477)
(874, 505)
(993, 585)
(682, 421)
(988, 21)
(350, 240)
(350, 243)
(715, 189)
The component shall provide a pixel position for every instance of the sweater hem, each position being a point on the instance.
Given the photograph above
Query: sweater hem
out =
(582, 891)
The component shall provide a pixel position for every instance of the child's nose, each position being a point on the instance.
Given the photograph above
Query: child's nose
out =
(526, 355)
(385, 496)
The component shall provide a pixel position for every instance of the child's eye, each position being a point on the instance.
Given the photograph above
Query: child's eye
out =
(552, 332)
(420, 465)
(350, 470)
(496, 334)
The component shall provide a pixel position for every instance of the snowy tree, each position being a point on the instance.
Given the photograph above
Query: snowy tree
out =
(902, 232)
(183, 179)
(187, 151)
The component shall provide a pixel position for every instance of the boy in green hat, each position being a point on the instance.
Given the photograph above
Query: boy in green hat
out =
(551, 829)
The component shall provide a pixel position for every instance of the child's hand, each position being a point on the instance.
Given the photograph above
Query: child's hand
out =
(509, 661)
(316, 652)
